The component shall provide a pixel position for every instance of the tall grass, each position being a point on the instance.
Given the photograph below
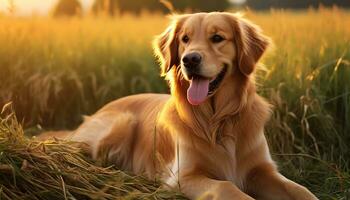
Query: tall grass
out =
(307, 80)
(55, 70)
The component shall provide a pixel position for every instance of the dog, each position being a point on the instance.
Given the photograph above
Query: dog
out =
(207, 137)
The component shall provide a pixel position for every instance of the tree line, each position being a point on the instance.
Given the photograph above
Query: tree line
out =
(294, 4)
(111, 7)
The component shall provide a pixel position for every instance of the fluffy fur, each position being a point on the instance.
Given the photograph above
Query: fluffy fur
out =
(215, 150)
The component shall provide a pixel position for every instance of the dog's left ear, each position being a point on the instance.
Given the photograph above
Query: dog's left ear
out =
(250, 43)
(166, 48)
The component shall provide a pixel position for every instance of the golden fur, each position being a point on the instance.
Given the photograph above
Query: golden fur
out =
(215, 150)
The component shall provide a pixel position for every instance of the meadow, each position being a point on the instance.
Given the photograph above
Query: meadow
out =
(56, 70)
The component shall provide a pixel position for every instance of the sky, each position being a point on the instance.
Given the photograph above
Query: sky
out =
(38, 7)
(42, 7)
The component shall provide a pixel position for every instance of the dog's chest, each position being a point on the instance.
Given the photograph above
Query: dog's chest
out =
(226, 162)
(219, 161)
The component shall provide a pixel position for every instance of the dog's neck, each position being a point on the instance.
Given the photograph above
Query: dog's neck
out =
(215, 117)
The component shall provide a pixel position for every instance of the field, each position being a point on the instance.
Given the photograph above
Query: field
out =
(56, 70)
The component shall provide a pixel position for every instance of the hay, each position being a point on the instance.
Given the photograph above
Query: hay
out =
(58, 169)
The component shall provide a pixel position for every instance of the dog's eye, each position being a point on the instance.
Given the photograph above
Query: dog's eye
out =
(185, 39)
(216, 38)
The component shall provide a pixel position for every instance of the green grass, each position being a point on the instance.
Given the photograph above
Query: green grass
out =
(308, 82)
(54, 71)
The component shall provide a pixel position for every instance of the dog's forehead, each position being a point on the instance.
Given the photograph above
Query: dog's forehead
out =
(209, 22)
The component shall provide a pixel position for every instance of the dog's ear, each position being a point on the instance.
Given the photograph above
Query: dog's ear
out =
(250, 43)
(165, 48)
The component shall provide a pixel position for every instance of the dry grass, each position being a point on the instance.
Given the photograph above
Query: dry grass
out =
(58, 170)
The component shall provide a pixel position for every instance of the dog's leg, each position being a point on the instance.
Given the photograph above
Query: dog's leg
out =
(264, 182)
(204, 188)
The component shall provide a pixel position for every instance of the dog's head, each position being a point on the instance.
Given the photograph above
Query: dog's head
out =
(205, 48)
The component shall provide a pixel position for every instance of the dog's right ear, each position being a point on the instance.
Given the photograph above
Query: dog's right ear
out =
(165, 48)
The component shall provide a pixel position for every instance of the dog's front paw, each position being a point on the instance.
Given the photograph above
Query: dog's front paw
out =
(225, 191)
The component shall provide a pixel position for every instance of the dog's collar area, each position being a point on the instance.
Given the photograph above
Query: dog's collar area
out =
(213, 85)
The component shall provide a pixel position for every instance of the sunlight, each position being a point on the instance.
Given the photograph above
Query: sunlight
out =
(37, 7)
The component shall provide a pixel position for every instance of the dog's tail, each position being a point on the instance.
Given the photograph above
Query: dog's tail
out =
(62, 135)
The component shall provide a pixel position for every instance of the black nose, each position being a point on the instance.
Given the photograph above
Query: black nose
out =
(192, 60)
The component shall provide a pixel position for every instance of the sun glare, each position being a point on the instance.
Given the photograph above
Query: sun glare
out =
(29, 7)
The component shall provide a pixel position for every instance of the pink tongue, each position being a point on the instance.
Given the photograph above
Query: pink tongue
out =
(198, 91)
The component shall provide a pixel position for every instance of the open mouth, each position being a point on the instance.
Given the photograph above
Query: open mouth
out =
(214, 84)
(201, 87)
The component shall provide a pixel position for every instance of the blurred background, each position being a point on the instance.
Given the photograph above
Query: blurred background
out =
(61, 59)
(112, 7)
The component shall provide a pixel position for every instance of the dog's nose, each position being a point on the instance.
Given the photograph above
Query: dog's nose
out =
(192, 60)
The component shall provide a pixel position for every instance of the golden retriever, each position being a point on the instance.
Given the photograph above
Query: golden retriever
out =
(207, 137)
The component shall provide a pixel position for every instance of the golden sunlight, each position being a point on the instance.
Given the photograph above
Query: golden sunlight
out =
(31, 7)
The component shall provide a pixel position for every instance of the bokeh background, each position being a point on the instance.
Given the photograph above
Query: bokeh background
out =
(62, 59)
